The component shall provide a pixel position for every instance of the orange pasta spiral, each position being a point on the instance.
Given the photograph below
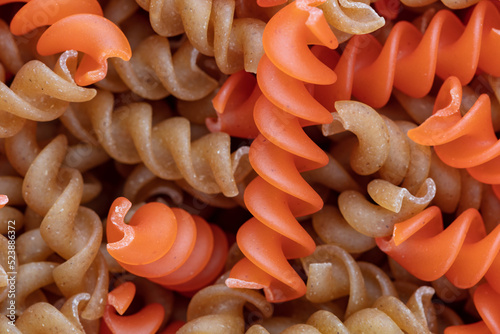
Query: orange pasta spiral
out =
(68, 19)
(467, 141)
(282, 151)
(463, 251)
(409, 59)
(210, 26)
(146, 321)
(55, 192)
(168, 246)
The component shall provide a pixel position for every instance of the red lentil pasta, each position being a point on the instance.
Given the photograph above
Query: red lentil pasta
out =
(180, 69)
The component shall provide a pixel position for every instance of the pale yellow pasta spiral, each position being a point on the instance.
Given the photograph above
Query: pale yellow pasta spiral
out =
(40, 94)
(132, 134)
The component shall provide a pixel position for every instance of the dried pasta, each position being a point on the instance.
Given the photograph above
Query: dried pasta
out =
(325, 200)
(169, 246)
(283, 146)
(165, 147)
(74, 18)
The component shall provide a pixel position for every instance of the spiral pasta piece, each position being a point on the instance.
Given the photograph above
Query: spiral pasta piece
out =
(236, 43)
(37, 93)
(154, 71)
(409, 60)
(148, 320)
(68, 19)
(383, 145)
(168, 246)
(129, 135)
(219, 309)
(487, 304)
(462, 142)
(463, 252)
(387, 315)
(67, 229)
(333, 273)
(44, 318)
(282, 151)
(450, 4)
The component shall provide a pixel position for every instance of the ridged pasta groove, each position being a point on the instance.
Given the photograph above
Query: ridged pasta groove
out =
(37, 93)
(467, 141)
(236, 43)
(409, 60)
(55, 192)
(188, 253)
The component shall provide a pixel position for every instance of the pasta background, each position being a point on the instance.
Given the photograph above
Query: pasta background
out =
(344, 152)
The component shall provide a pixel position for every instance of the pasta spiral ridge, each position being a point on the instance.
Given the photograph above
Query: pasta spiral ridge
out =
(409, 60)
(147, 320)
(282, 151)
(387, 315)
(467, 141)
(44, 318)
(67, 19)
(236, 43)
(219, 309)
(168, 246)
(129, 135)
(333, 273)
(55, 193)
(463, 252)
(40, 94)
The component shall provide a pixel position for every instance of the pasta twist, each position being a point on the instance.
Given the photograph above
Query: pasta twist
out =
(487, 302)
(282, 151)
(37, 93)
(462, 142)
(146, 321)
(44, 318)
(68, 19)
(333, 273)
(450, 4)
(236, 43)
(387, 315)
(219, 309)
(67, 229)
(168, 246)
(129, 135)
(463, 251)
(409, 59)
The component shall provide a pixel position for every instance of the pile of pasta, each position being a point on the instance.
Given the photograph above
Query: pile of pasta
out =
(249, 166)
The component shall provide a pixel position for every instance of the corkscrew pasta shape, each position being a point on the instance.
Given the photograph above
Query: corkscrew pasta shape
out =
(282, 151)
(462, 142)
(74, 25)
(146, 321)
(129, 135)
(168, 246)
(40, 94)
(369, 71)
(463, 251)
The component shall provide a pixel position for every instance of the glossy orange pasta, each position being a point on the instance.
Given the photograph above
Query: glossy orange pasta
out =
(467, 141)
(77, 25)
(463, 251)
(409, 60)
(282, 151)
(168, 246)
